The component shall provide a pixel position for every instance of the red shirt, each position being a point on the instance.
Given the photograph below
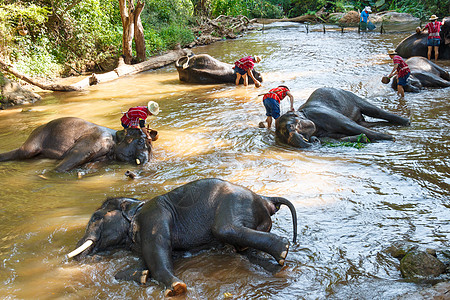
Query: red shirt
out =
(433, 30)
(245, 63)
(134, 115)
(278, 93)
(402, 68)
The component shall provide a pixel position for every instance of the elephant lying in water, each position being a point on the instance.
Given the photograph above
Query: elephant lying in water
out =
(204, 68)
(75, 142)
(202, 213)
(333, 113)
(424, 73)
(416, 44)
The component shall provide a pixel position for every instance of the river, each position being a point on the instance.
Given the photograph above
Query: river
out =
(351, 203)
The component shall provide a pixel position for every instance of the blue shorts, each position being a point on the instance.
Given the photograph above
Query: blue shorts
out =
(433, 42)
(240, 71)
(403, 80)
(272, 108)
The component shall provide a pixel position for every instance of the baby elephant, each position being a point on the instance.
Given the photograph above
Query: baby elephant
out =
(203, 213)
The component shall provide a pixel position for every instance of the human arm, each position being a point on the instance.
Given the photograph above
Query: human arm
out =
(250, 73)
(291, 98)
(394, 71)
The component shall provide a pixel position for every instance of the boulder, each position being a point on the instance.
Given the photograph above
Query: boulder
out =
(420, 264)
(12, 93)
(350, 18)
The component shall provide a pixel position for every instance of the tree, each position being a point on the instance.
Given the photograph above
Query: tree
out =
(132, 28)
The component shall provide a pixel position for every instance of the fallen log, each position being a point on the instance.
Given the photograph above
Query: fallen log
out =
(122, 70)
(51, 87)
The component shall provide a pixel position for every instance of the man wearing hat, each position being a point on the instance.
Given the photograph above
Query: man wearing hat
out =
(400, 69)
(364, 19)
(434, 40)
(135, 117)
(271, 101)
(245, 66)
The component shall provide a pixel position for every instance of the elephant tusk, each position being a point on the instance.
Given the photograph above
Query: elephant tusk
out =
(186, 64)
(138, 161)
(80, 249)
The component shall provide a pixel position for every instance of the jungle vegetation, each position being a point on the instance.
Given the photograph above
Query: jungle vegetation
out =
(56, 37)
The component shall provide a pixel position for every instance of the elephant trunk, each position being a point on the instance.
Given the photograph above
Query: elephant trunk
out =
(297, 140)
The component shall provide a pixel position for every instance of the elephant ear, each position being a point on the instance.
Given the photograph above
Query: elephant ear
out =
(120, 135)
(128, 206)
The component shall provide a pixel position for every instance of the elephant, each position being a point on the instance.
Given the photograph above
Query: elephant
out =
(333, 113)
(75, 142)
(205, 69)
(424, 73)
(198, 215)
(416, 44)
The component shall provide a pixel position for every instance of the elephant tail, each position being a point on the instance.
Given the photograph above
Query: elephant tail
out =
(277, 201)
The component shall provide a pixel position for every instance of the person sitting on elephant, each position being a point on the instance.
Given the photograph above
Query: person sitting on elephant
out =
(402, 71)
(364, 19)
(245, 66)
(271, 101)
(135, 117)
(434, 40)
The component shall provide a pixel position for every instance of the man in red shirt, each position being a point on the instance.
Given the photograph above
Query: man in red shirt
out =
(245, 66)
(434, 40)
(272, 101)
(400, 69)
(135, 117)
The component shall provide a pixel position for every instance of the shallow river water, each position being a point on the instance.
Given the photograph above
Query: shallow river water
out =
(351, 203)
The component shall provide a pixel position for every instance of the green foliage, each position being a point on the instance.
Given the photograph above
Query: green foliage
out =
(360, 143)
(249, 8)
(167, 38)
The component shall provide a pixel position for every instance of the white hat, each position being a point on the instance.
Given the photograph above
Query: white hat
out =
(153, 107)
(368, 9)
(433, 17)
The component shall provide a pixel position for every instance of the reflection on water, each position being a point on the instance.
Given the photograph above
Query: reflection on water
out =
(351, 203)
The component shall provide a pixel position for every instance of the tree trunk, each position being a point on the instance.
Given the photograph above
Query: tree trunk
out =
(126, 13)
(139, 39)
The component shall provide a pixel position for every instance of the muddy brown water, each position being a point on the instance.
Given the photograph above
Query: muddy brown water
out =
(351, 203)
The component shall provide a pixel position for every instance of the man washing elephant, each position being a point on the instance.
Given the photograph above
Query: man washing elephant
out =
(135, 117)
(434, 39)
(271, 101)
(244, 67)
(402, 71)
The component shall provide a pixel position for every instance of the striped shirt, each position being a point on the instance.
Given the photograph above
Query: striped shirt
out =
(278, 93)
(245, 63)
(433, 29)
(402, 68)
(132, 117)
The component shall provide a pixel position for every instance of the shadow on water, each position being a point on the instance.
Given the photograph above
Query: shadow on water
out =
(351, 203)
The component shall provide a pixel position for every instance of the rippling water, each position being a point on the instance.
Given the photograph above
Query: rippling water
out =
(351, 203)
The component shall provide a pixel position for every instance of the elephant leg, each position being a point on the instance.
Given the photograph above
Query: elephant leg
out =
(238, 235)
(85, 150)
(376, 112)
(157, 250)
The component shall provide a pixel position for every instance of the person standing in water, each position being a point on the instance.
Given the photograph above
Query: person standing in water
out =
(434, 40)
(271, 101)
(244, 67)
(402, 71)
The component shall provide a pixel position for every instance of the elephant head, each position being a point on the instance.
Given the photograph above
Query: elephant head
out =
(132, 146)
(294, 129)
(111, 226)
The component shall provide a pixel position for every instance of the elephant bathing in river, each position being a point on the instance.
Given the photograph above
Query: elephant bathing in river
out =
(201, 214)
(416, 44)
(336, 114)
(75, 142)
(424, 73)
(204, 68)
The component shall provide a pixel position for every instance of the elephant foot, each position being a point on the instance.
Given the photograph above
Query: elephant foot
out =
(283, 253)
(178, 288)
